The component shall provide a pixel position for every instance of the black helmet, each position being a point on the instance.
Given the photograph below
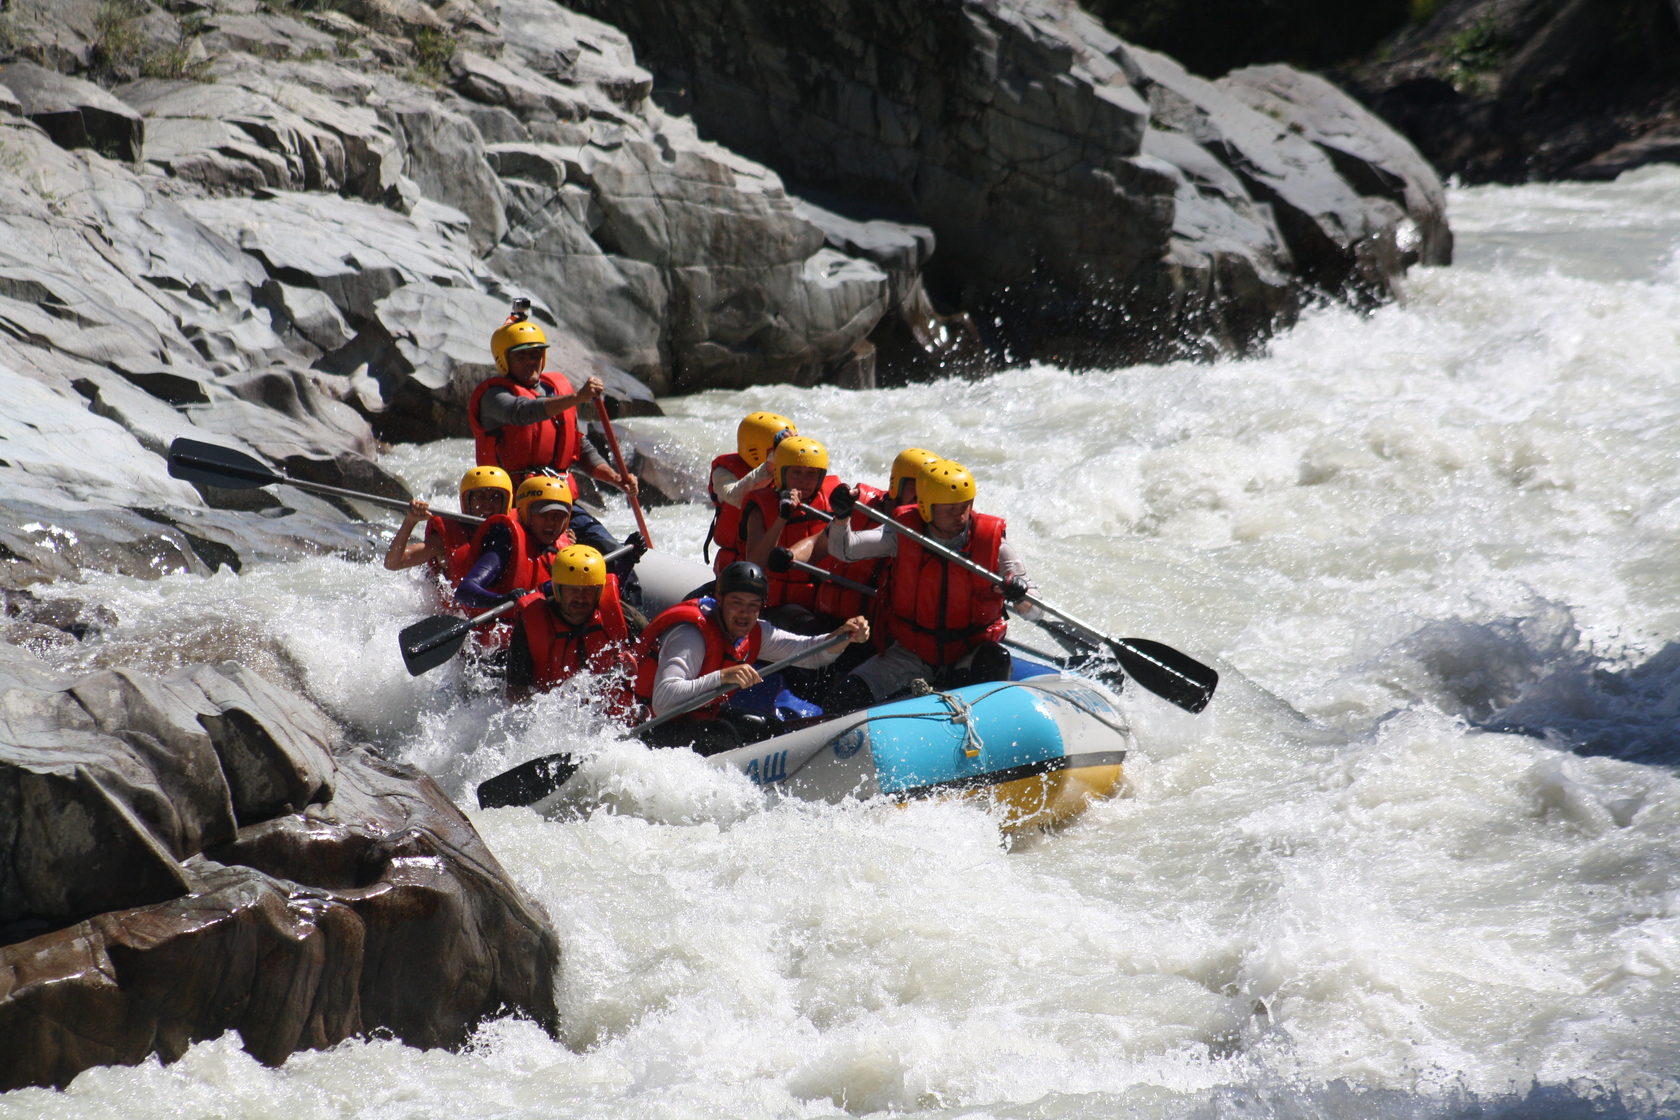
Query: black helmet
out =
(743, 575)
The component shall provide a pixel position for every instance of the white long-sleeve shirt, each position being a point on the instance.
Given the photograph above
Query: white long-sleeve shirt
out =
(683, 651)
(732, 491)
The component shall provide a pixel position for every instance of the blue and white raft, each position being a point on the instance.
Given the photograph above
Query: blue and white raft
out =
(1039, 749)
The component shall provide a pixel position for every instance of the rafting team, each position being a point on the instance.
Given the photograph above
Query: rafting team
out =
(800, 565)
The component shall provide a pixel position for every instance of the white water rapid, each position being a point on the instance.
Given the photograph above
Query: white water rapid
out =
(1421, 857)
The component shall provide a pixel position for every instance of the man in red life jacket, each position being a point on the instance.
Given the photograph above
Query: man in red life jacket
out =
(945, 622)
(700, 645)
(525, 421)
(510, 552)
(782, 518)
(837, 601)
(577, 625)
(485, 492)
(736, 476)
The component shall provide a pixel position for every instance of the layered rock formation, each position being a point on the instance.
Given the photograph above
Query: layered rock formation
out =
(198, 853)
(1093, 202)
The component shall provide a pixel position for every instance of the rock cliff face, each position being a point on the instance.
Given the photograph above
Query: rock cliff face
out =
(1512, 90)
(193, 854)
(1094, 202)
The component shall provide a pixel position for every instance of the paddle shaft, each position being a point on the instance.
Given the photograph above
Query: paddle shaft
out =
(235, 470)
(623, 471)
(1187, 691)
(824, 574)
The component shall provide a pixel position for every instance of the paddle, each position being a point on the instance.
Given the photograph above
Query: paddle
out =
(1169, 674)
(623, 471)
(210, 465)
(782, 560)
(433, 640)
(530, 782)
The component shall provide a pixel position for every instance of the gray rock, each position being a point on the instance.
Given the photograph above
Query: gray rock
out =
(299, 929)
(76, 114)
(58, 33)
(444, 155)
(265, 34)
(1372, 158)
(289, 127)
(1337, 240)
(354, 252)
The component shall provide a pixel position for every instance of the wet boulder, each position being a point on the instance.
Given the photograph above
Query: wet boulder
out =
(196, 853)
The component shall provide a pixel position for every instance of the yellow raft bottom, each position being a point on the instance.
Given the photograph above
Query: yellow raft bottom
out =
(1047, 800)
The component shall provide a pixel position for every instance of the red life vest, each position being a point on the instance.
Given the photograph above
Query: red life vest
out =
(793, 585)
(725, 531)
(523, 569)
(559, 651)
(722, 651)
(941, 611)
(524, 449)
(842, 602)
(456, 538)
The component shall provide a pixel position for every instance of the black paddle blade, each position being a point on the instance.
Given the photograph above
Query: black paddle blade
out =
(209, 465)
(432, 641)
(527, 783)
(1173, 676)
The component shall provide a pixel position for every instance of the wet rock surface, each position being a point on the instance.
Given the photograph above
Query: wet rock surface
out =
(185, 855)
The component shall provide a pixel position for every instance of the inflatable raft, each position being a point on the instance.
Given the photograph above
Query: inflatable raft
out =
(1039, 747)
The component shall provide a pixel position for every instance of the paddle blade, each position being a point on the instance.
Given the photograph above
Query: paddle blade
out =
(432, 641)
(209, 465)
(1173, 676)
(527, 783)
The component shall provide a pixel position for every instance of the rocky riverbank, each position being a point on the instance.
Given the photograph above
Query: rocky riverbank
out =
(290, 229)
(197, 853)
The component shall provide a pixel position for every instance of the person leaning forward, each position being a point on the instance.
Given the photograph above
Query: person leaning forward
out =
(946, 623)
(700, 646)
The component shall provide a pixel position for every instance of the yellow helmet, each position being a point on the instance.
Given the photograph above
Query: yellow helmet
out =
(487, 478)
(942, 482)
(578, 565)
(909, 465)
(541, 488)
(515, 334)
(798, 451)
(756, 435)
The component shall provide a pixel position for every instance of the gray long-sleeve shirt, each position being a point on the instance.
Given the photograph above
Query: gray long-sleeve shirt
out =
(501, 406)
(847, 543)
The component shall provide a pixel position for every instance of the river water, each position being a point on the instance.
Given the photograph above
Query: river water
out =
(1421, 857)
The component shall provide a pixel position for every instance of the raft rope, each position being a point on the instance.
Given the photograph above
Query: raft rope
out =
(962, 711)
